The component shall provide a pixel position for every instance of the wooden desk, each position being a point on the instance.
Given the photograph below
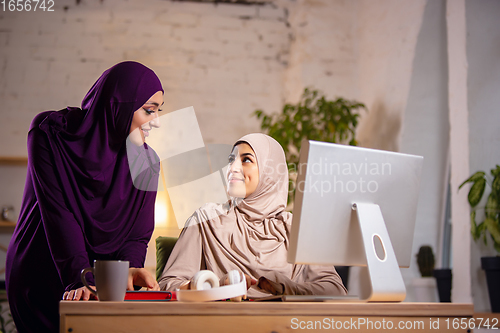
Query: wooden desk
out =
(107, 317)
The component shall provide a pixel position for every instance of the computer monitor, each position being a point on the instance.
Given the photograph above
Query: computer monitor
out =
(356, 207)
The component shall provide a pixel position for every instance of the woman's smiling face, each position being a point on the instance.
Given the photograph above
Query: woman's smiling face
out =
(145, 118)
(243, 171)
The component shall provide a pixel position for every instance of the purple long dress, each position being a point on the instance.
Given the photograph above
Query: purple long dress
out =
(80, 202)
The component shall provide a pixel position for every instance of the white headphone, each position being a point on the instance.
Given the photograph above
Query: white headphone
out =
(205, 287)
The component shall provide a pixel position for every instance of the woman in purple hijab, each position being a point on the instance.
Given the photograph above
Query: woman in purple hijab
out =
(81, 200)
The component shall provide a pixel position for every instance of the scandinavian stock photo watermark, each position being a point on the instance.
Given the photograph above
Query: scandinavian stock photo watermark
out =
(341, 177)
(383, 324)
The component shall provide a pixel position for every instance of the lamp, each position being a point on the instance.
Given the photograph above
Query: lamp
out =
(165, 221)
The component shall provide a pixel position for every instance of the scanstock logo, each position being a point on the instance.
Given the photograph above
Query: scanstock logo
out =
(193, 173)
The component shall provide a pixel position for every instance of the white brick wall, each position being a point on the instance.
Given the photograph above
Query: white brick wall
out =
(225, 60)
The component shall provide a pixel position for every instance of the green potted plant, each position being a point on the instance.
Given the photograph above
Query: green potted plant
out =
(313, 118)
(488, 226)
(425, 260)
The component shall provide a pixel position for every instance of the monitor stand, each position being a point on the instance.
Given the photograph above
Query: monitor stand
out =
(385, 281)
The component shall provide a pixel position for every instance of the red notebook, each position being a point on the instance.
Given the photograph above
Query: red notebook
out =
(141, 295)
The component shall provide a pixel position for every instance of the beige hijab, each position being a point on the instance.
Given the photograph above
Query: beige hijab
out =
(253, 234)
(250, 235)
(268, 201)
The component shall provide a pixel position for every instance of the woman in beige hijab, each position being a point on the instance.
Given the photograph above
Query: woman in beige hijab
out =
(250, 233)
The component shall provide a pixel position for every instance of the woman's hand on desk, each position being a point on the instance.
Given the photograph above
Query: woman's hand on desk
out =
(141, 277)
(81, 293)
(274, 288)
(136, 276)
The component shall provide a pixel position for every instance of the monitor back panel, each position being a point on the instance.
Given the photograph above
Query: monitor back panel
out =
(331, 178)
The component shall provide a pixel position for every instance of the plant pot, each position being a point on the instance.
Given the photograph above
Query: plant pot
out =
(425, 289)
(491, 266)
(443, 280)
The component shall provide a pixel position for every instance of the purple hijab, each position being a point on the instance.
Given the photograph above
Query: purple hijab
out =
(88, 148)
(80, 202)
